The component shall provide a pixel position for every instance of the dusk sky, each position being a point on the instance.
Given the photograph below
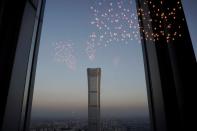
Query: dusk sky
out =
(73, 40)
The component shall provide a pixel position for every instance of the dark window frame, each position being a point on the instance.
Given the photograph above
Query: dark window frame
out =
(20, 26)
(170, 70)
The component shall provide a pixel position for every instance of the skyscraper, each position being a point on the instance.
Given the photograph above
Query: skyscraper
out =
(94, 76)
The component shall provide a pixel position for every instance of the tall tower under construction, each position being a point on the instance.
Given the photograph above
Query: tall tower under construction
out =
(94, 76)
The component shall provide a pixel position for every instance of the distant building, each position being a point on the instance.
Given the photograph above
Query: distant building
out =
(94, 76)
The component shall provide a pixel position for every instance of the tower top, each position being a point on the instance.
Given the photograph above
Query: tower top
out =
(94, 71)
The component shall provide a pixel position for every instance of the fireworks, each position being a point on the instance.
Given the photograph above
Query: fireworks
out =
(164, 25)
(91, 46)
(64, 53)
(116, 22)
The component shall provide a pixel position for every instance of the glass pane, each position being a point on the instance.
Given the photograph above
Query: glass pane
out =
(82, 34)
(190, 14)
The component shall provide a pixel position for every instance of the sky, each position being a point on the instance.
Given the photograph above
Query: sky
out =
(81, 34)
(190, 10)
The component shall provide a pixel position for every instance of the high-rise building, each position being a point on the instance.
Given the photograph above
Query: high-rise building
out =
(94, 76)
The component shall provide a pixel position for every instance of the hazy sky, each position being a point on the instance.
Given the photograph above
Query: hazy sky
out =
(72, 41)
